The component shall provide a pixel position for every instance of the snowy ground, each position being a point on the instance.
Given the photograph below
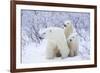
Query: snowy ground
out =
(35, 53)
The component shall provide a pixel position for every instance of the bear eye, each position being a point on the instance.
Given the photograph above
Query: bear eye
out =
(67, 23)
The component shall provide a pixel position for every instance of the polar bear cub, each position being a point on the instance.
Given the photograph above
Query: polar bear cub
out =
(56, 42)
(73, 44)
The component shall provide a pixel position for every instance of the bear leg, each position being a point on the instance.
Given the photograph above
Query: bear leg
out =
(64, 53)
(50, 53)
(72, 53)
(75, 52)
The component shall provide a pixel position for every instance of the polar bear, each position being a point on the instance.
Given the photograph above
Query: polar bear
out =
(73, 44)
(56, 42)
(68, 28)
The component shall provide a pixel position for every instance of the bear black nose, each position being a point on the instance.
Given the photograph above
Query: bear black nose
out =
(41, 37)
(65, 25)
(70, 40)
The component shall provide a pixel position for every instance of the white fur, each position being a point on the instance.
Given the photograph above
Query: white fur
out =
(73, 44)
(56, 42)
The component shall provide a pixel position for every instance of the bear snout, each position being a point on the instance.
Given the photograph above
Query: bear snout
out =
(41, 37)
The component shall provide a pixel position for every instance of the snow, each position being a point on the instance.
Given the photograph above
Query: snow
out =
(35, 53)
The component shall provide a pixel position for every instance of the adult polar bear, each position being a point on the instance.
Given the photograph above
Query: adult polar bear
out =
(56, 42)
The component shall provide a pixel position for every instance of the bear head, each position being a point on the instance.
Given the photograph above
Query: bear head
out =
(44, 33)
